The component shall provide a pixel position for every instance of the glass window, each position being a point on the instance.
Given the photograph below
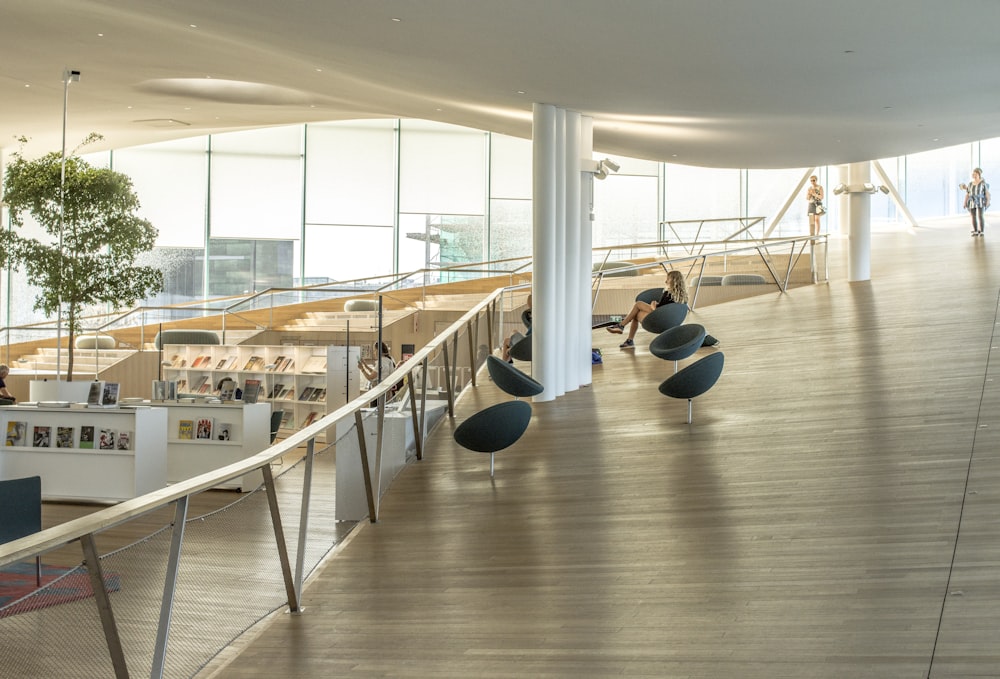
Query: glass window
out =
(257, 183)
(442, 169)
(932, 180)
(767, 191)
(699, 193)
(240, 267)
(510, 229)
(171, 180)
(510, 167)
(624, 210)
(350, 172)
(344, 253)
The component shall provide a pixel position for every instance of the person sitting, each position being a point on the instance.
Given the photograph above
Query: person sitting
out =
(6, 398)
(674, 291)
(507, 341)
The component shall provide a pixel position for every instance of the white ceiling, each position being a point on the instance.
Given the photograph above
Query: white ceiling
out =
(726, 83)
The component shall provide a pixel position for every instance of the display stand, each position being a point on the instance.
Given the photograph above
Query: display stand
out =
(305, 382)
(75, 469)
(248, 434)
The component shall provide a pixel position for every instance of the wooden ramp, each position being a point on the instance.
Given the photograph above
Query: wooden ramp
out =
(831, 512)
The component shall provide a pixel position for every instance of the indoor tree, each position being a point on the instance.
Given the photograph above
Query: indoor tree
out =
(92, 236)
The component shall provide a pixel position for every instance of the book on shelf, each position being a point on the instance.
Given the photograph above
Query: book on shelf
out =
(202, 361)
(310, 418)
(94, 395)
(124, 440)
(256, 363)
(276, 391)
(185, 429)
(227, 389)
(15, 433)
(197, 385)
(221, 364)
(277, 363)
(286, 394)
(287, 419)
(65, 437)
(286, 364)
(42, 437)
(109, 395)
(87, 436)
(315, 365)
(205, 388)
(319, 394)
(204, 428)
(231, 362)
(224, 431)
(251, 391)
(106, 438)
(306, 393)
(159, 390)
(182, 385)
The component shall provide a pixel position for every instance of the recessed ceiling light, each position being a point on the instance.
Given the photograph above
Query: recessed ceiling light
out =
(319, 70)
(100, 35)
(193, 25)
(396, 19)
(520, 91)
(27, 85)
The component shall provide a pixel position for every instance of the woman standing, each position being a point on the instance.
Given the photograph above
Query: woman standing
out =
(814, 196)
(977, 199)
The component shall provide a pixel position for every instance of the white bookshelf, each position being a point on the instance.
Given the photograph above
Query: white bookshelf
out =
(305, 382)
(248, 434)
(79, 473)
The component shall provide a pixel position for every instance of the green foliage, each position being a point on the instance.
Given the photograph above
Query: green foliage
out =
(94, 235)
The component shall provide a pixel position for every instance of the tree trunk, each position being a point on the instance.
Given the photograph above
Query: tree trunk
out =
(69, 349)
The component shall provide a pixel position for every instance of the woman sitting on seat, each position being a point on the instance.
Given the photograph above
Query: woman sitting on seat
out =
(674, 291)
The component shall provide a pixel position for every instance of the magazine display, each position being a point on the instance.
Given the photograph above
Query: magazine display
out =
(42, 437)
(87, 437)
(223, 432)
(251, 391)
(16, 432)
(106, 439)
(124, 440)
(65, 437)
(204, 428)
(185, 429)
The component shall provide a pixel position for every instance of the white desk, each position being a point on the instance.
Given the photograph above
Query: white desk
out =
(89, 474)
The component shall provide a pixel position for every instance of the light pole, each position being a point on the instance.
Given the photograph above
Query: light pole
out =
(68, 77)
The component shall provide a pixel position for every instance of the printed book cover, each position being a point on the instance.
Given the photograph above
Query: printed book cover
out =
(87, 436)
(315, 364)
(223, 431)
(65, 437)
(276, 391)
(106, 439)
(15, 433)
(42, 437)
(204, 428)
(94, 395)
(251, 391)
(124, 440)
(185, 429)
(109, 396)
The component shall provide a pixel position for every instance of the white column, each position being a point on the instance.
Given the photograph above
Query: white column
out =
(843, 177)
(561, 317)
(860, 234)
(543, 285)
(586, 243)
(577, 338)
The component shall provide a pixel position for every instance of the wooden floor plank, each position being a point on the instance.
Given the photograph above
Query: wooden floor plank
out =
(829, 513)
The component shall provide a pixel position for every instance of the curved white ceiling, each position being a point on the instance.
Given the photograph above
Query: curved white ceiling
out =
(769, 83)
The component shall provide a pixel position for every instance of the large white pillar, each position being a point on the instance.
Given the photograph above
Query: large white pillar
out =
(583, 287)
(561, 310)
(543, 284)
(845, 212)
(860, 234)
(575, 345)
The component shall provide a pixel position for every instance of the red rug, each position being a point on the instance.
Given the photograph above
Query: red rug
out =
(20, 594)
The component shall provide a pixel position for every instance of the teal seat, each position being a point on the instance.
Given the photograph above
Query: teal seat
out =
(694, 380)
(678, 342)
(511, 380)
(649, 295)
(495, 428)
(662, 318)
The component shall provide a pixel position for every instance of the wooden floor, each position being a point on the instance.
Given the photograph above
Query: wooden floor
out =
(832, 511)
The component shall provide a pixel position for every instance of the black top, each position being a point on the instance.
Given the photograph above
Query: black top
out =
(667, 298)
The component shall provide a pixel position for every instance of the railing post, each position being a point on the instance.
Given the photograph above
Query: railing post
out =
(279, 537)
(359, 425)
(447, 380)
(300, 553)
(169, 587)
(473, 331)
(417, 433)
(93, 563)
